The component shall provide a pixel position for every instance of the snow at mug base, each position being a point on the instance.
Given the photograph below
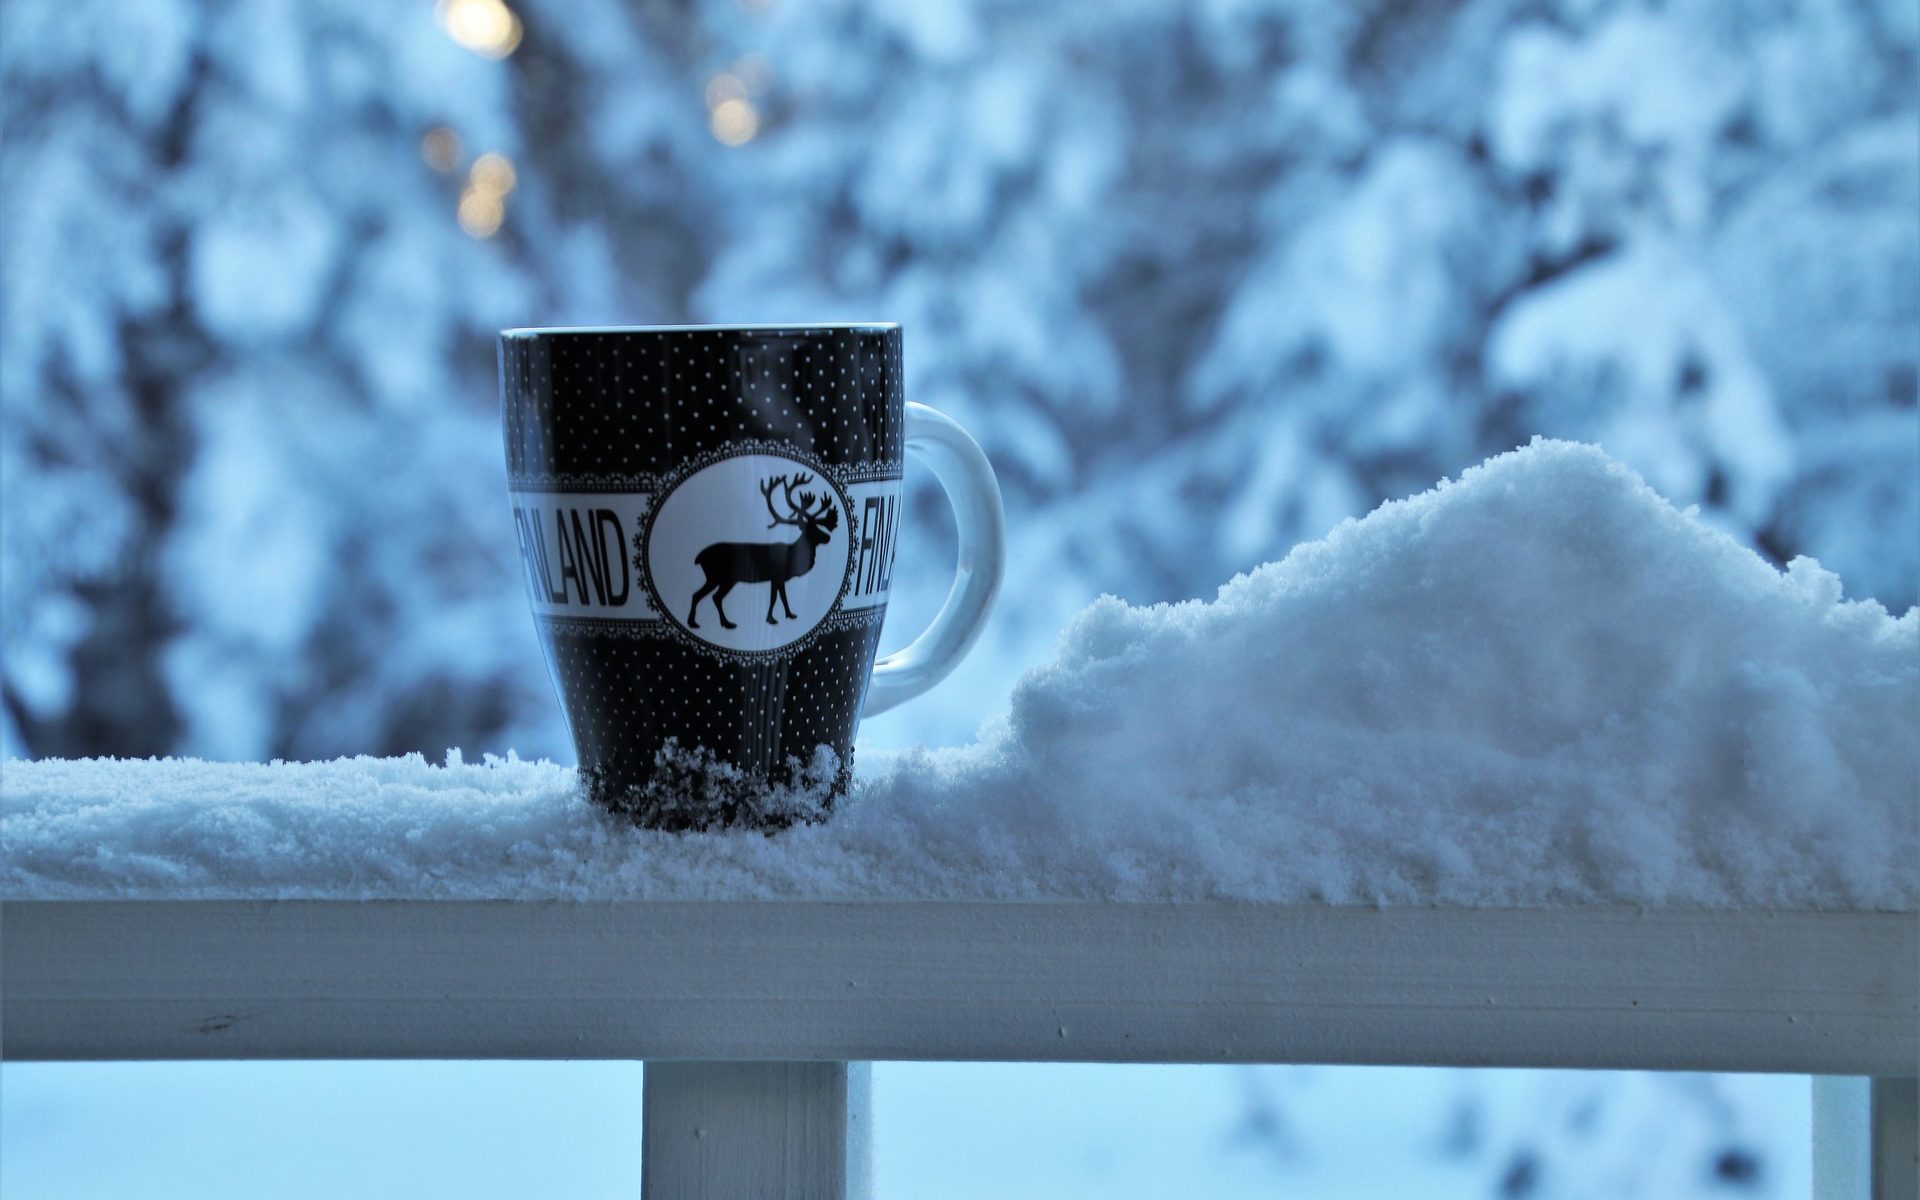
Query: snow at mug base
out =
(1539, 684)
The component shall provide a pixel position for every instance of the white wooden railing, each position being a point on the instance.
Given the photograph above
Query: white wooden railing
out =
(757, 1018)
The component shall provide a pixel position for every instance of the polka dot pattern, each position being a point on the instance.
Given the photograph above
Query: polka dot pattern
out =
(627, 405)
(615, 410)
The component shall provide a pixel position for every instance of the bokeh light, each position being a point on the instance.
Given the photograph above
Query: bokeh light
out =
(440, 148)
(734, 121)
(487, 27)
(493, 172)
(723, 87)
(481, 212)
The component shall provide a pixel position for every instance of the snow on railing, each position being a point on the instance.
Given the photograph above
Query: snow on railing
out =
(1541, 684)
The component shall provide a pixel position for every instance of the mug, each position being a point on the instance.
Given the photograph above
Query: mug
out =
(706, 519)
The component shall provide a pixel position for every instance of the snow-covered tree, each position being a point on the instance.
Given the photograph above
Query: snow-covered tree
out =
(1209, 278)
(251, 459)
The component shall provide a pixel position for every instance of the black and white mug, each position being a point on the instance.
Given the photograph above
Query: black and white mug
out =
(707, 519)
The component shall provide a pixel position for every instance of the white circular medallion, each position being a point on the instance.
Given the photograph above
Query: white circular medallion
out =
(750, 553)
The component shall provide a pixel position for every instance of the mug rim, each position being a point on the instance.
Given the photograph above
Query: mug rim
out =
(538, 331)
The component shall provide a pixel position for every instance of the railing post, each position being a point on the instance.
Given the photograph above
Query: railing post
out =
(1842, 1153)
(1865, 1138)
(1895, 1105)
(759, 1130)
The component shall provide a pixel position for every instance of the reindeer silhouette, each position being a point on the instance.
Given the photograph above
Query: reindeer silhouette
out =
(729, 564)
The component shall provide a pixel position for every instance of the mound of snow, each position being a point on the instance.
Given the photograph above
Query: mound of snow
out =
(1540, 684)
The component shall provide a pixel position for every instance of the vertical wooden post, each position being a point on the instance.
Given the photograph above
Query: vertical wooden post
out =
(1842, 1158)
(758, 1130)
(1895, 1105)
(1865, 1138)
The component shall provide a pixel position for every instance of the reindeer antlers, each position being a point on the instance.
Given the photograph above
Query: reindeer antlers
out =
(766, 493)
(802, 513)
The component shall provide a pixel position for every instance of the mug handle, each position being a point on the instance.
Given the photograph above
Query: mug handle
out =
(964, 473)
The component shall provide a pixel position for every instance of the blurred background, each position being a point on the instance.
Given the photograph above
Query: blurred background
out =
(1204, 278)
